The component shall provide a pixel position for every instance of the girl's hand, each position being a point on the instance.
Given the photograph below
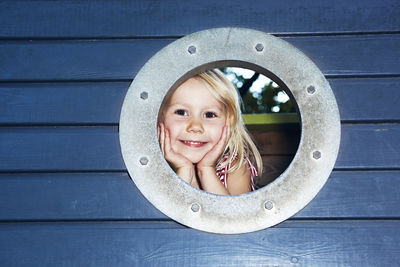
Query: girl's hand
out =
(181, 165)
(206, 167)
(210, 158)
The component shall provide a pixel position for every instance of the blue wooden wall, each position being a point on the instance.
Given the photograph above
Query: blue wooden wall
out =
(65, 196)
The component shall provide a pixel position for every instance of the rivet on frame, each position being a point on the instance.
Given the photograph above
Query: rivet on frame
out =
(294, 259)
(311, 89)
(268, 205)
(144, 161)
(192, 49)
(144, 95)
(316, 154)
(259, 47)
(195, 207)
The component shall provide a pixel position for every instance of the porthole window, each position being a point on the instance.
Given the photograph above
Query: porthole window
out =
(313, 158)
(271, 116)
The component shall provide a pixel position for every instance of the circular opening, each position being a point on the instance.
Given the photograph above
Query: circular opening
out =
(271, 120)
(222, 48)
(271, 116)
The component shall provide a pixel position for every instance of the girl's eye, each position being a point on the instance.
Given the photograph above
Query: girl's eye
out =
(181, 112)
(210, 115)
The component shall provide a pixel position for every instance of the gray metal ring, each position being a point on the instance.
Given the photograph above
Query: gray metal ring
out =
(192, 54)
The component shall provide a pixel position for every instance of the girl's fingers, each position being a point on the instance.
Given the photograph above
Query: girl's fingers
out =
(159, 134)
(220, 146)
(212, 156)
(162, 138)
(165, 142)
(167, 145)
(225, 136)
(176, 159)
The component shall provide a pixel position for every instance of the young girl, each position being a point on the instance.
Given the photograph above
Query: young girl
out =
(203, 138)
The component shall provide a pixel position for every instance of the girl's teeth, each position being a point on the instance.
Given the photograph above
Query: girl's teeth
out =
(193, 143)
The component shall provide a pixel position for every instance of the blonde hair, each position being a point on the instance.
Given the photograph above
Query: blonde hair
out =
(240, 145)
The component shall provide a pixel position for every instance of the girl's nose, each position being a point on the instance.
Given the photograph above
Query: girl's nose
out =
(195, 125)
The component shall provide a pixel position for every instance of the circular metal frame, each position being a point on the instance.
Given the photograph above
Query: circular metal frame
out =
(265, 207)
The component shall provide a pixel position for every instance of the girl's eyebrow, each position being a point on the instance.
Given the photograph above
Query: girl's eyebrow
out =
(177, 105)
(217, 108)
(190, 106)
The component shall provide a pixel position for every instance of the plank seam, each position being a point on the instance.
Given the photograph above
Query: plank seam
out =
(122, 171)
(113, 81)
(163, 37)
(327, 76)
(168, 220)
(116, 124)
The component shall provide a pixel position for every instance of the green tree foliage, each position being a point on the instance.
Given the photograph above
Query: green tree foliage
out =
(261, 100)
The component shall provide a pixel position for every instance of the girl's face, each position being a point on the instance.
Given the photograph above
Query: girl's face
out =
(195, 119)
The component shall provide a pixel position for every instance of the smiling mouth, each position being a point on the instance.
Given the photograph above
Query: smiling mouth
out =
(193, 143)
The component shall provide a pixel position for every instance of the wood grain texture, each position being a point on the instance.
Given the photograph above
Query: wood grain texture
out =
(277, 142)
(113, 196)
(62, 103)
(76, 60)
(65, 196)
(273, 167)
(349, 243)
(100, 102)
(82, 19)
(122, 59)
(368, 99)
(98, 149)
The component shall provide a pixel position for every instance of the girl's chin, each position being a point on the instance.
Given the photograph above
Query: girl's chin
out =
(194, 158)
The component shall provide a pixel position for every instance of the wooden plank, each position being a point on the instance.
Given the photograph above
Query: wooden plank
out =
(98, 148)
(60, 149)
(273, 167)
(100, 102)
(347, 55)
(122, 59)
(358, 194)
(62, 103)
(76, 60)
(360, 143)
(113, 196)
(271, 118)
(272, 122)
(72, 196)
(43, 19)
(280, 143)
(367, 99)
(350, 243)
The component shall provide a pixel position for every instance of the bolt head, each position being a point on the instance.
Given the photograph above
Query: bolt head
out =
(259, 47)
(316, 154)
(311, 89)
(195, 207)
(143, 161)
(192, 49)
(144, 95)
(294, 260)
(268, 205)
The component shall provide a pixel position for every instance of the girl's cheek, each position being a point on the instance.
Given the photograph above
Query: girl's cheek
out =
(217, 130)
(174, 129)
